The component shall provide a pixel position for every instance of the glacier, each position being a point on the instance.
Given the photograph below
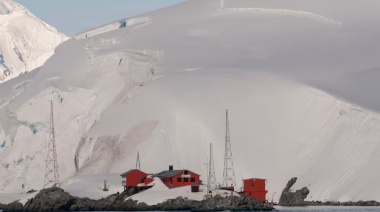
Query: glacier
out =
(26, 42)
(299, 79)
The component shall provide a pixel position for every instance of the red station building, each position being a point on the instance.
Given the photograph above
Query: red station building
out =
(255, 188)
(177, 178)
(135, 178)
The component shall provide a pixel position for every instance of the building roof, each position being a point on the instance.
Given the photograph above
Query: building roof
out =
(172, 173)
(125, 173)
(254, 179)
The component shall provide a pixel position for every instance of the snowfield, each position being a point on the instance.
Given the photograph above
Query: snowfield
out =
(300, 80)
(25, 41)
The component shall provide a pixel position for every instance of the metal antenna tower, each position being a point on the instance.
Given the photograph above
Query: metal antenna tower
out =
(211, 179)
(51, 172)
(138, 161)
(228, 173)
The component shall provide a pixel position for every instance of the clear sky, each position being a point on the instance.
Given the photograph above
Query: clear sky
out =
(74, 16)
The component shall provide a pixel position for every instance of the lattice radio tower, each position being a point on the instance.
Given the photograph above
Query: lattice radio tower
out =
(228, 173)
(211, 179)
(51, 172)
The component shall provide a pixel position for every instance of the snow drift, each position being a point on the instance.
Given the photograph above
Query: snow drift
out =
(25, 41)
(298, 78)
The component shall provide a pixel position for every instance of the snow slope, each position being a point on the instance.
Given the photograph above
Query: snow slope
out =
(25, 41)
(299, 79)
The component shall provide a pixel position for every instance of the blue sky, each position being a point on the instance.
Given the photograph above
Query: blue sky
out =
(74, 16)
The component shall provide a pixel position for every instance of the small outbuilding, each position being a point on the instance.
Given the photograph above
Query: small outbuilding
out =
(255, 188)
(135, 178)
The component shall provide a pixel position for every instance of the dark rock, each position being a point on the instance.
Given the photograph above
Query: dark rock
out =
(217, 203)
(14, 207)
(350, 203)
(51, 199)
(3, 207)
(31, 191)
(55, 199)
(297, 198)
(83, 204)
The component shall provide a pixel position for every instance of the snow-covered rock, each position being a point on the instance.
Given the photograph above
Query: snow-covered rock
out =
(296, 76)
(25, 41)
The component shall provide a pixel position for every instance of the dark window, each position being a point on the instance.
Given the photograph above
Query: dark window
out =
(186, 172)
(192, 179)
(185, 180)
(171, 180)
(179, 179)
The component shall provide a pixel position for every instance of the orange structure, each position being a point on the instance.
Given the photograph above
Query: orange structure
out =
(177, 178)
(135, 178)
(255, 188)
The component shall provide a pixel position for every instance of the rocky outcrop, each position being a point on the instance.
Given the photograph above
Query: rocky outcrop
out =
(52, 199)
(296, 198)
(56, 199)
(14, 206)
(218, 203)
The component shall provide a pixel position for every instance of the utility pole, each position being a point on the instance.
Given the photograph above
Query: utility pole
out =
(51, 171)
(211, 179)
(228, 173)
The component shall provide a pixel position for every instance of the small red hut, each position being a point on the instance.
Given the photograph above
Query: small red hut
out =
(135, 178)
(255, 188)
(177, 178)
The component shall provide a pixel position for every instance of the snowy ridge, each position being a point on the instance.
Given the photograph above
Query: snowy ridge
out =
(25, 41)
(294, 88)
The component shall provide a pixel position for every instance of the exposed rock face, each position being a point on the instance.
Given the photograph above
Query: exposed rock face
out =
(297, 198)
(52, 199)
(56, 199)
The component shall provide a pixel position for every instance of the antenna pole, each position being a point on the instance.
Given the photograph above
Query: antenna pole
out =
(138, 161)
(51, 171)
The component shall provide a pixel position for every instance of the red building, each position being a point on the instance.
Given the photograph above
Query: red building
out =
(255, 188)
(177, 178)
(135, 178)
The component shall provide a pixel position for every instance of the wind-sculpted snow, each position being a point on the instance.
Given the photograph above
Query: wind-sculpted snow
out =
(300, 91)
(25, 41)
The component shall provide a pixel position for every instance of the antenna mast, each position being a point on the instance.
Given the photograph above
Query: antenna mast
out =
(51, 171)
(138, 161)
(211, 179)
(228, 173)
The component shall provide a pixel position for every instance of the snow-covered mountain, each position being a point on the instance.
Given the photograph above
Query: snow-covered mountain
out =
(297, 77)
(25, 41)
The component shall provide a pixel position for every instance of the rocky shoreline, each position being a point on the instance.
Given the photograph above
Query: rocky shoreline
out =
(56, 199)
(337, 203)
(297, 198)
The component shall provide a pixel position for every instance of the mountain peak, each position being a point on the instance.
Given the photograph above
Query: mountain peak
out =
(8, 7)
(26, 42)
